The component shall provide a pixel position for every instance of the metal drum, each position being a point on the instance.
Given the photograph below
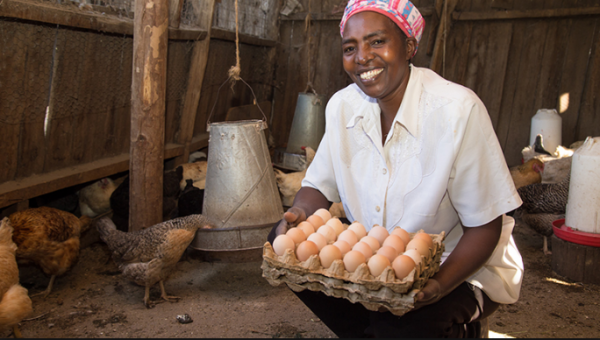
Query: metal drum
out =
(308, 125)
(241, 195)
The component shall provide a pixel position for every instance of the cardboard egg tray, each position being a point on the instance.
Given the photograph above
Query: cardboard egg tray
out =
(385, 290)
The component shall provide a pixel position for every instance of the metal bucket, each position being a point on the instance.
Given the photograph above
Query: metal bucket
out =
(241, 195)
(308, 125)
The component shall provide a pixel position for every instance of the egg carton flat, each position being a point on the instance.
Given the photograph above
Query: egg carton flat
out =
(384, 290)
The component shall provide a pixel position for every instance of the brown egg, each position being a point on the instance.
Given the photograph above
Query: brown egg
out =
(328, 232)
(404, 235)
(283, 242)
(414, 255)
(402, 266)
(379, 232)
(329, 254)
(372, 242)
(388, 252)
(395, 242)
(324, 214)
(348, 236)
(318, 239)
(296, 234)
(377, 263)
(419, 245)
(306, 249)
(358, 229)
(425, 237)
(336, 224)
(353, 259)
(306, 227)
(343, 246)
(364, 248)
(316, 221)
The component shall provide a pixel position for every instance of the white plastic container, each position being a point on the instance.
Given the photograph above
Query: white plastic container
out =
(583, 205)
(548, 123)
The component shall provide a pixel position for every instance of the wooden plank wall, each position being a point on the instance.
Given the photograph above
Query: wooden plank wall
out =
(516, 66)
(68, 101)
(257, 60)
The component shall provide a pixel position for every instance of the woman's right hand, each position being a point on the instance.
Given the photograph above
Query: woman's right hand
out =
(291, 218)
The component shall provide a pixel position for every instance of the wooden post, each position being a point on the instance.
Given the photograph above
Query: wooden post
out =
(437, 58)
(195, 79)
(175, 7)
(148, 91)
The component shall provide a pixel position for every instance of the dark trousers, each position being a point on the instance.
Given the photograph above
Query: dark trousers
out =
(456, 315)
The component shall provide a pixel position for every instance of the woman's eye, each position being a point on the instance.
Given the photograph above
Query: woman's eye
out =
(377, 42)
(348, 49)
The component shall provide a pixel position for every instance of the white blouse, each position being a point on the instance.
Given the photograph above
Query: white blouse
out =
(441, 166)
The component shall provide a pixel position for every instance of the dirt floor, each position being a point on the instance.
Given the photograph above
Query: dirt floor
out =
(225, 298)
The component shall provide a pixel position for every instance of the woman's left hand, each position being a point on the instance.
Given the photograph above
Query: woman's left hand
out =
(431, 293)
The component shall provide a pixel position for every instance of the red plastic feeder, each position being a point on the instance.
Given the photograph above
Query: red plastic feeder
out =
(568, 234)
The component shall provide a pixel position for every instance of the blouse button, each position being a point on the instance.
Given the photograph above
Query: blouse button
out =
(384, 171)
(377, 208)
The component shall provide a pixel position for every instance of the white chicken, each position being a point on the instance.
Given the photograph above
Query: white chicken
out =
(95, 198)
(289, 184)
(556, 166)
(196, 172)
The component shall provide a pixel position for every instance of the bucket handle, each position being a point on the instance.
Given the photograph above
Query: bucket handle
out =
(245, 196)
(255, 103)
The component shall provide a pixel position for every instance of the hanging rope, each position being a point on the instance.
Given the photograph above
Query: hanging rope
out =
(309, 84)
(234, 71)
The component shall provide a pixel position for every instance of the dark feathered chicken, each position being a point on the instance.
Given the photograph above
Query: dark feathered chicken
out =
(548, 198)
(148, 256)
(191, 200)
(542, 224)
(544, 203)
(119, 200)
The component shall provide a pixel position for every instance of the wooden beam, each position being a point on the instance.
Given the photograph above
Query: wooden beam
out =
(219, 33)
(301, 16)
(194, 85)
(73, 17)
(13, 192)
(526, 14)
(148, 96)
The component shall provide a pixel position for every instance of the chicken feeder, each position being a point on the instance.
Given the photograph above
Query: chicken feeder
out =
(241, 196)
(308, 128)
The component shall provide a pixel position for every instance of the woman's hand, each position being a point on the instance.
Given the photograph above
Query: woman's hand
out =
(431, 293)
(291, 218)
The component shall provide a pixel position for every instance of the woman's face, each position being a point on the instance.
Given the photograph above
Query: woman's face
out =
(376, 55)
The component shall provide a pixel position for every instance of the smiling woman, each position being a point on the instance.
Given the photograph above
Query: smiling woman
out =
(405, 147)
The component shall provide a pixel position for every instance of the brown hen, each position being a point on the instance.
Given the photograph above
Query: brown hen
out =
(289, 184)
(528, 173)
(15, 304)
(148, 256)
(49, 238)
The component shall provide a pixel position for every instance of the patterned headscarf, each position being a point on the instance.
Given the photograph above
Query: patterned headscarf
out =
(402, 12)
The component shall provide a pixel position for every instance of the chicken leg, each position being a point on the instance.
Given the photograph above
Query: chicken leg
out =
(17, 331)
(46, 292)
(545, 248)
(164, 293)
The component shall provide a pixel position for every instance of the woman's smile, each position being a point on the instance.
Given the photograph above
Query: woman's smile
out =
(369, 76)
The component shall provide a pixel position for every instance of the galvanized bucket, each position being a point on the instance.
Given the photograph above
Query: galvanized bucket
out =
(241, 195)
(308, 125)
